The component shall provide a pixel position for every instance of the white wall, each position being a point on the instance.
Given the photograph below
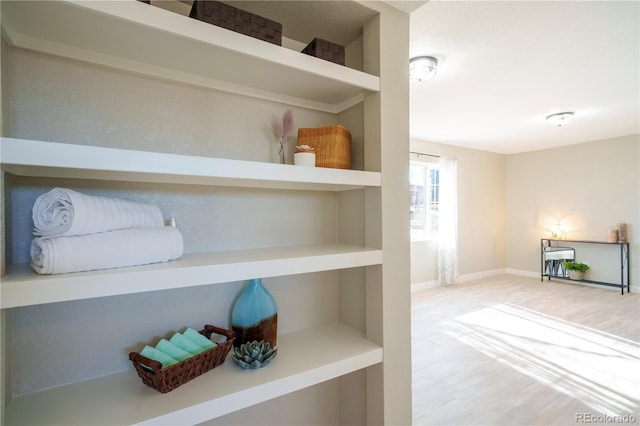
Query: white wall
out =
(481, 212)
(506, 204)
(137, 112)
(588, 187)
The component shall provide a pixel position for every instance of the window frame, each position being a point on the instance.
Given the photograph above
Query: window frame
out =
(429, 202)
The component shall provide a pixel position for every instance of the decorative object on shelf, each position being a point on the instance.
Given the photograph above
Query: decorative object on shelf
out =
(553, 259)
(622, 232)
(557, 231)
(326, 50)
(576, 269)
(280, 130)
(63, 212)
(169, 349)
(106, 250)
(166, 378)
(612, 235)
(254, 315)
(240, 21)
(423, 68)
(560, 119)
(253, 355)
(332, 145)
(75, 232)
(304, 156)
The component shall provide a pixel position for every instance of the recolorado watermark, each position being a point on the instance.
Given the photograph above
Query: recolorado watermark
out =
(605, 418)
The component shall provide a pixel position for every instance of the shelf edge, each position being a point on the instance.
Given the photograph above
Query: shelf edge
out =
(24, 157)
(27, 288)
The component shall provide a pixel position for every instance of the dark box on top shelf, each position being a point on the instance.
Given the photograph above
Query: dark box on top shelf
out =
(326, 50)
(240, 21)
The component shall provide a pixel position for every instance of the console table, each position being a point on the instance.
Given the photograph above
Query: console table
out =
(551, 254)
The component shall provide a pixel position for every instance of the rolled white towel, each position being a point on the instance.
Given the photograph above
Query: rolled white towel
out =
(113, 249)
(65, 212)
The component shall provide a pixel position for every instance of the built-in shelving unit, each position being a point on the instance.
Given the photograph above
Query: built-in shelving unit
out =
(135, 37)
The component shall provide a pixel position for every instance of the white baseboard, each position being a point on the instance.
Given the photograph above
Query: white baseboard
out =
(523, 273)
(425, 285)
(634, 288)
(461, 278)
(479, 275)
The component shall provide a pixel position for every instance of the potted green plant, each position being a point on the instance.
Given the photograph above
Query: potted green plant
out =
(576, 269)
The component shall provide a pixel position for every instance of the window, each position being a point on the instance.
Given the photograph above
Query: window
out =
(424, 184)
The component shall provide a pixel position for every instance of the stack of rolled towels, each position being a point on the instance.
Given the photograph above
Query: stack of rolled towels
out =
(180, 347)
(76, 232)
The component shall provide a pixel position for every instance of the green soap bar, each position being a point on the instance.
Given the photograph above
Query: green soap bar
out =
(172, 350)
(198, 338)
(159, 356)
(185, 344)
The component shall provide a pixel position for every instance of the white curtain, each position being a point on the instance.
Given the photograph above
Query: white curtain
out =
(448, 222)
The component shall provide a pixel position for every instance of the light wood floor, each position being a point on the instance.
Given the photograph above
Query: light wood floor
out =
(511, 350)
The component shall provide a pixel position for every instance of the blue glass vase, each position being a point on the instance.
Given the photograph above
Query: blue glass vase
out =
(254, 315)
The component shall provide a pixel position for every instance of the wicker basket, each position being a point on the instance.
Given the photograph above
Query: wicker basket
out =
(167, 379)
(326, 50)
(332, 145)
(238, 20)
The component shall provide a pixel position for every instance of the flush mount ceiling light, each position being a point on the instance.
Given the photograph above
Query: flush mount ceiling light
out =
(560, 119)
(423, 68)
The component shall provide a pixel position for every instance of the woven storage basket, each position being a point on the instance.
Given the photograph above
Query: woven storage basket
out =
(238, 20)
(332, 145)
(326, 50)
(167, 379)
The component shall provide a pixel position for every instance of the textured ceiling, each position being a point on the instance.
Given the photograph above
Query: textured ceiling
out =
(505, 66)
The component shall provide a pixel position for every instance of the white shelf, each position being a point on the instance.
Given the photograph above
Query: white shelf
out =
(57, 160)
(136, 37)
(305, 358)
(23, 287)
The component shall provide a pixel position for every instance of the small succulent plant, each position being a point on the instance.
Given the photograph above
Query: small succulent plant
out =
(254, 354)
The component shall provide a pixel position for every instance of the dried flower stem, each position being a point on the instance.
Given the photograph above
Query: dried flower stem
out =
(280, 129)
